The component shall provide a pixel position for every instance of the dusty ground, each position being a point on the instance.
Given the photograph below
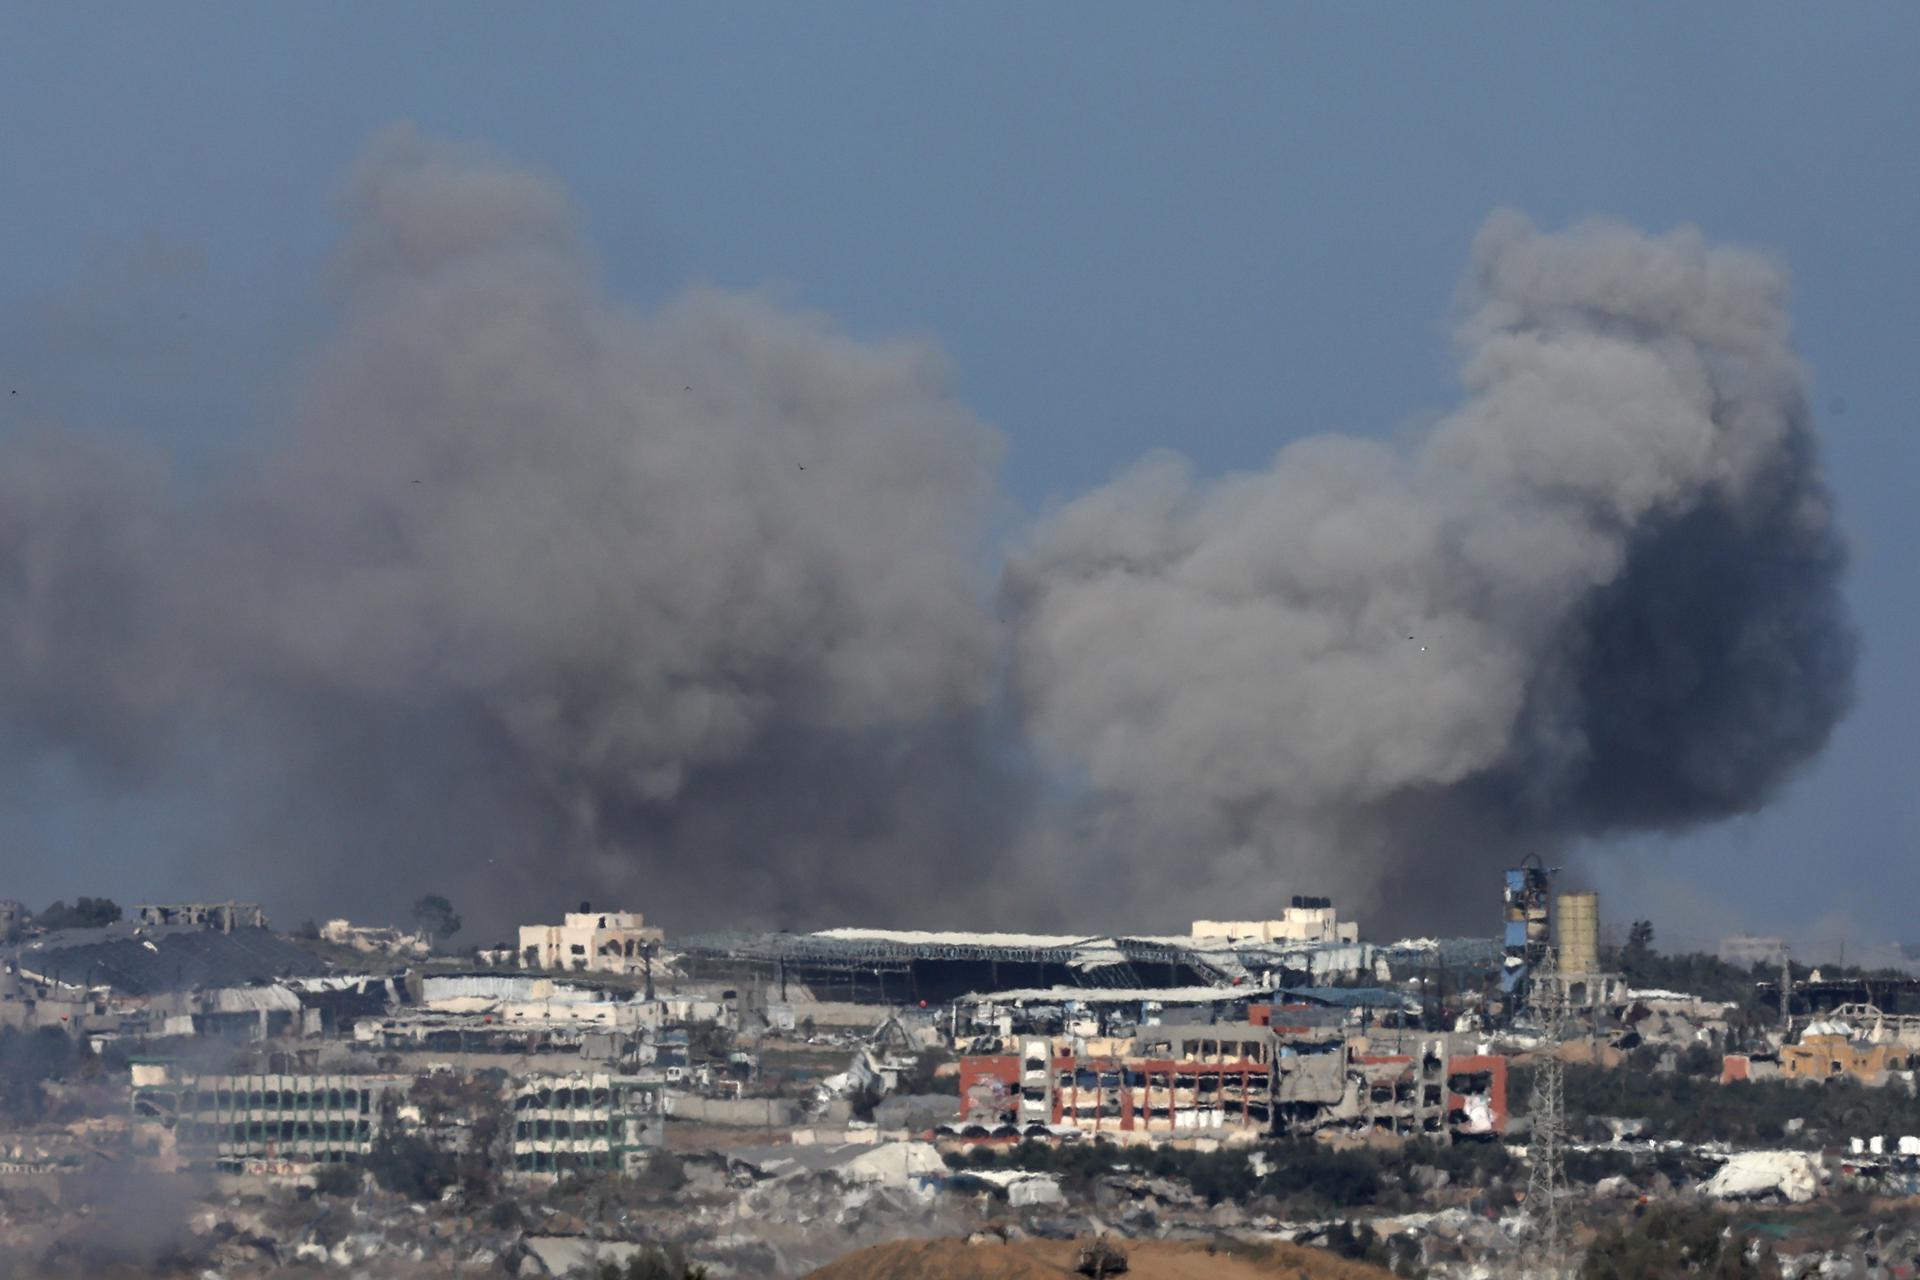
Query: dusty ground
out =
(684, 1136)
(1053, 1259)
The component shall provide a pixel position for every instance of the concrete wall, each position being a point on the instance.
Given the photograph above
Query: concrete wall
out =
(838, 1013)
(743, 1112)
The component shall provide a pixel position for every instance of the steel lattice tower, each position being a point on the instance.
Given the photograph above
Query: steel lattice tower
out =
(1547, 1139)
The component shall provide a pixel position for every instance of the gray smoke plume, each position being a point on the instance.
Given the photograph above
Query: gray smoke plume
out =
(534, 589)
(534, 598)
(1603, 594)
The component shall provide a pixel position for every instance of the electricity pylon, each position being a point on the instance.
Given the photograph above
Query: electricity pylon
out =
(1547, 1107)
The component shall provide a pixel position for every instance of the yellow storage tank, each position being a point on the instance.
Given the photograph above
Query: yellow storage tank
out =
(1577, 922)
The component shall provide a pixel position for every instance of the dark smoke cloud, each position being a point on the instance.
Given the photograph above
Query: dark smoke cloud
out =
(1602, 594)
(535, 598)
(536, 587)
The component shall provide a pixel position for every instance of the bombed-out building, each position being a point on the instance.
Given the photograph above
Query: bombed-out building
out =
(602, 941)
(882, 966)
(579, 1122)
(1238, 1082)
(222, 916)
(245, 1123)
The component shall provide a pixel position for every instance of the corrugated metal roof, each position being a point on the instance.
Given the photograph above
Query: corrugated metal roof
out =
(1121, 995)
(476, 986)
(1081, 952)
(182, 960)
(249, 999)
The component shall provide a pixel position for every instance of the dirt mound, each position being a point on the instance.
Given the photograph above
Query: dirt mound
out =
(1053, 1260)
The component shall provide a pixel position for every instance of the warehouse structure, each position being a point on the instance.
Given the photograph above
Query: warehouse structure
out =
(908, 966)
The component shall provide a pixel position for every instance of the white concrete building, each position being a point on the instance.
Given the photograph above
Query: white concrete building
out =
(1307, 920)
(607, 941)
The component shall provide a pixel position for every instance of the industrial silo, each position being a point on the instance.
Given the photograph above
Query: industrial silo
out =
(1577, 921)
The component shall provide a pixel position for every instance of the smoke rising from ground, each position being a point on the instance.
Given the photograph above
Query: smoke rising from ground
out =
(536, 598)
(1603, 594)
(532, 586)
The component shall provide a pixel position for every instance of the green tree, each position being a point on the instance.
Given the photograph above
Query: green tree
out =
(1673, 1240)
(436, 916)
(85, 913)
(411, 1165)
(28, 1059)
(1636, 955)
(337, 1180)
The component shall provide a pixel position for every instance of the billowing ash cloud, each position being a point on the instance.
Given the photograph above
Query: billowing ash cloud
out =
(534, 598)
(531, 586)
(1603, 594)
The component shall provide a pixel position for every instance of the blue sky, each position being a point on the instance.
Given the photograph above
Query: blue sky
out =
(1212, 228)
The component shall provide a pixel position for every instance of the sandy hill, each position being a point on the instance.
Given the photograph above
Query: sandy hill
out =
(1053, 1260)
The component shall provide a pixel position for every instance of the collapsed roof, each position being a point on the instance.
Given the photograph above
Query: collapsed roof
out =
(146, 961)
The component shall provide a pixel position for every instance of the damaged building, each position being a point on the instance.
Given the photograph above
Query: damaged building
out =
(247, 1123)
(883, 966)
(515, 1014)
(136, 960)
(379, 940)
(589, 940)
(1830, 1048)
(580, 1122)
(1304, 920)
(223, 917)
(1341, 1086)
(1186, 1082)
(1575, 980)
(1290, 1069)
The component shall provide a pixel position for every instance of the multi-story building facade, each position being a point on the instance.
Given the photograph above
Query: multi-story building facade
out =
(581, 1121)
(1173, 1082)
(232, 1122)
(1234, 1082)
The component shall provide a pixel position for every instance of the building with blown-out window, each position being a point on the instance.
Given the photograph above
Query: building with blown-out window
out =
(603, 941)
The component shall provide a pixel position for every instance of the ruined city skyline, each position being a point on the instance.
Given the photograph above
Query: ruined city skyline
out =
(700, 642)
